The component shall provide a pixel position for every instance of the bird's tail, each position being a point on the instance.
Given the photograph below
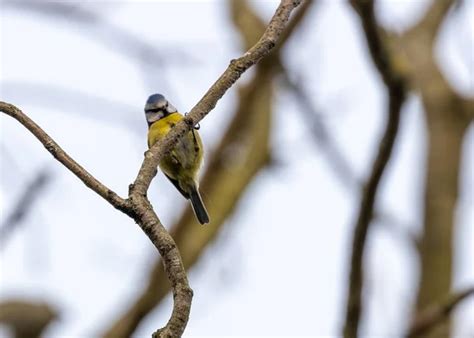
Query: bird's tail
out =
(198, 206)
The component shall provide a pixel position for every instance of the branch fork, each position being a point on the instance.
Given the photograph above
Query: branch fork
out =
(137, 205)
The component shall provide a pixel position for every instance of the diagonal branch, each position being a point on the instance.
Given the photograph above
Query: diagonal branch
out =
(233, 72)
(436, 313)
(320, 134)
(396, 89)
(137, 205)
(223, 185)
(24, 205)
(433, 19)
(59, 154)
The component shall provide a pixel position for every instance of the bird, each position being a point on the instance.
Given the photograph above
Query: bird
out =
(182, 164)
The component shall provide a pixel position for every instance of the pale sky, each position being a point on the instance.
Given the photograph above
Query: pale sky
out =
(89, 96)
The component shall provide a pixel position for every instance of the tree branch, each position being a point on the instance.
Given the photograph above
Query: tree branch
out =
(224, 186)
(59, 154)
(447, 120)
(27, 319)
(396, 88)
(137, 205)
(410, 61)
(433, 19)
(233, 72)
(24, 204)
(321, 136)
(436, 313)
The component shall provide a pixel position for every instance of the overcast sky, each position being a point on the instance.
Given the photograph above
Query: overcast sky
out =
(88, 94)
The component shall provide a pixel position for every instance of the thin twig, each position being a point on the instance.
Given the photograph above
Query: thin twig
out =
(396, 89)
(436, 313)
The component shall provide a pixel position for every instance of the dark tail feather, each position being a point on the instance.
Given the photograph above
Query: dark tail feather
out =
(198, 206)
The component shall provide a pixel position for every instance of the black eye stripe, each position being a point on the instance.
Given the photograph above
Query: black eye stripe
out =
(154, 110)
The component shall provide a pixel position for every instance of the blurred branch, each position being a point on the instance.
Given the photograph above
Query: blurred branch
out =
(26, 319)
(448, 116)
(24, 204)
(377, 43)
(432, 21)
(242, 153)
(137, 205)
(339, 163)
(397, 228)
(436, 313)
(112, 36)
(409, 59)
(321, 135)
(58, 9)
(110, 111)
(396, 90)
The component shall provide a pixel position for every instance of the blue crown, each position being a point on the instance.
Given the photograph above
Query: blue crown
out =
(155, 98)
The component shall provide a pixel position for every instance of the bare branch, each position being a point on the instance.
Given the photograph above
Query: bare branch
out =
(24, 204)
(137, 205)
(416, 48)
(59, 154)
(233, 72)
(447, 119)
(468, 108)
(433, 19)
(376, 42)
(436, 313)
(396, 89)
(410, 61)
(321, 135)
(26, 319)
(223, 185)
(182, 296)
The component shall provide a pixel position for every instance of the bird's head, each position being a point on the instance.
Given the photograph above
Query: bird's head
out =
(157, 107)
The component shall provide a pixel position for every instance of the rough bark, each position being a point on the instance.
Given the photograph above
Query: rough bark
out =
(137, 205)
(222, 184)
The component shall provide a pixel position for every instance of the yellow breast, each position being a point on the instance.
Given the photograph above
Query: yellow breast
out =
(160, 128)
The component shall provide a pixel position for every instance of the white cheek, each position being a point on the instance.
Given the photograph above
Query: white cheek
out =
(171, 108)
(153, 117)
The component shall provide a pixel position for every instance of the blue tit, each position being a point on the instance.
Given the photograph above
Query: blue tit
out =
(181, 166)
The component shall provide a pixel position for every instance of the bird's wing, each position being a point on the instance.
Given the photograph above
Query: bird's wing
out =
(176, 184)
